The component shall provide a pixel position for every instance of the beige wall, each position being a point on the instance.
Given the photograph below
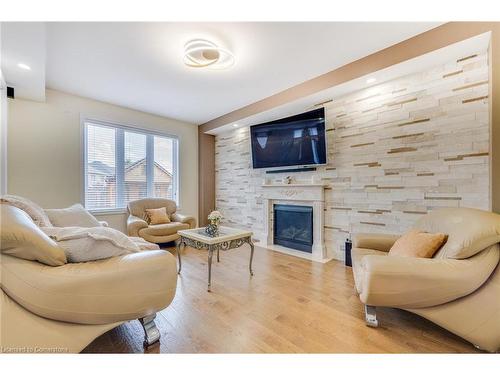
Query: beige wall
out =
(3, 135)
(45, 156)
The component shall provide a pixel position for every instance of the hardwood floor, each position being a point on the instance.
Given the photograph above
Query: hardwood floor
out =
(290, 306)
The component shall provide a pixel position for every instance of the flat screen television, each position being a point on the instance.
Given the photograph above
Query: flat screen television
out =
(292, 141)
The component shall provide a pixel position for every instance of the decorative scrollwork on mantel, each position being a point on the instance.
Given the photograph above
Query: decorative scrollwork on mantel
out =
(291, 192)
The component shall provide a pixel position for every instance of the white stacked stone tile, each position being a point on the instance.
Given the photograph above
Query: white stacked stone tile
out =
(396, 151)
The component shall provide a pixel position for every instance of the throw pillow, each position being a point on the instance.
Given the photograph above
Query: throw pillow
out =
(157, 215)
(418, 244)
(469, 230)
(74, 216)
(31, 208)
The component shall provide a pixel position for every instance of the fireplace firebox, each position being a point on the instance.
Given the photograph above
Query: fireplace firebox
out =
(293, 226)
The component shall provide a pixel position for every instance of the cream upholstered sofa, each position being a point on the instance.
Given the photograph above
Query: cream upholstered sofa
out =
(48, 305)
(458, 289)
(159, 233)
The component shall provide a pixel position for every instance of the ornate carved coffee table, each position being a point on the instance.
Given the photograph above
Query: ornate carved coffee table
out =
(228, 238)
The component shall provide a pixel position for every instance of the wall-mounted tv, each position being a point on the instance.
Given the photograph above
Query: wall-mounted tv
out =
(292, 141)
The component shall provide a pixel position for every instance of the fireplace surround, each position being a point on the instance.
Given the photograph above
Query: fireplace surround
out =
(310, 195)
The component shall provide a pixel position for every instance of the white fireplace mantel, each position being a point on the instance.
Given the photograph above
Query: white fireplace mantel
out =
(299, 194)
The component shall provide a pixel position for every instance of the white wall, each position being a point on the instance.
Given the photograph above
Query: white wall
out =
(44, 149)
(3, 135)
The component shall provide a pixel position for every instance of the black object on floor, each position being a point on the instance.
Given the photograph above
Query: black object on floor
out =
(348, 247)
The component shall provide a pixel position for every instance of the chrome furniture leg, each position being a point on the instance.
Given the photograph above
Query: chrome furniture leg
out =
(178, 250)
(210, 254)
(371, 316)
(251, 257)
(151, 332)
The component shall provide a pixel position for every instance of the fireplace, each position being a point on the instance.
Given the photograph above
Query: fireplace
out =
(293, 226)
(309, 199)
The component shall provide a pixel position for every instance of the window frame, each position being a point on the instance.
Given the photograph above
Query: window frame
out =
(149, 154)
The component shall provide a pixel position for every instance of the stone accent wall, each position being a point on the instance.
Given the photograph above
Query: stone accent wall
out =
(395, 151)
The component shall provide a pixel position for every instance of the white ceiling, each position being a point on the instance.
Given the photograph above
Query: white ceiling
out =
(24, 42)
(139, 65)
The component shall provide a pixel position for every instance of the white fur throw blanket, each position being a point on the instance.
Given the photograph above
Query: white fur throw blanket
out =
(88, 244)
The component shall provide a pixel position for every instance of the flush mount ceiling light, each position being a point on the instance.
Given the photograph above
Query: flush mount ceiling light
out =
(23, 66)
(201, 53)
(371, 80)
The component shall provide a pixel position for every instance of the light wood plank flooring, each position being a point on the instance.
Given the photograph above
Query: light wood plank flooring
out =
(290, 306)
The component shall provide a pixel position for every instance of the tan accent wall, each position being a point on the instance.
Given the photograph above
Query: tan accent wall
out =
(206, 165)
(429, 41)
(45, 155)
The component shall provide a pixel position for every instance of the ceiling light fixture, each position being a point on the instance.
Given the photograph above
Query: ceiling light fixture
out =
(23, 66)
(201, 53)
(371, 80)
(235, 125)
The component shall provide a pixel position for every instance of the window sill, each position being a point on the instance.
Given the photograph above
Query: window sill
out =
(118, 211)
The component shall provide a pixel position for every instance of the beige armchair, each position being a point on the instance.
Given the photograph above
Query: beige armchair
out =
(458, 289)
(48, 305)
(159, 233)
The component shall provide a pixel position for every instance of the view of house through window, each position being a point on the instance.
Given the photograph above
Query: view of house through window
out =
(123, 164)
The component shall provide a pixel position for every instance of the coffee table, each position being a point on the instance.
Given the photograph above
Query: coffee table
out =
(228, 238)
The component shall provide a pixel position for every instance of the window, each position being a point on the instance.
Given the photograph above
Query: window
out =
(124, 164)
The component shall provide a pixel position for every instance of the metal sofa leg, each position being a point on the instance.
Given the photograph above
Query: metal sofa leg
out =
(371, 316)
(151, 332)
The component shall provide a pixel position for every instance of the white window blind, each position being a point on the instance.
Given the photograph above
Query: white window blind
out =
(123, 164)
